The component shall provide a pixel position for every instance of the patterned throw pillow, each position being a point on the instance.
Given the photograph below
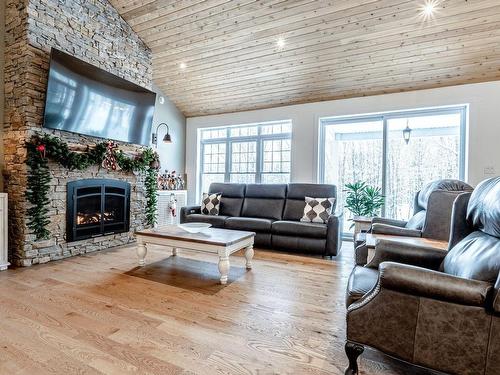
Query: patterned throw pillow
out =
(210, 203)
(317, 210)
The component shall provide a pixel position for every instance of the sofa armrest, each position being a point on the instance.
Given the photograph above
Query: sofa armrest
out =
(361, 255)
(417, 255)
(334, 233)
(433, 284)
(387, 221)
(188, 210)
(379, 228)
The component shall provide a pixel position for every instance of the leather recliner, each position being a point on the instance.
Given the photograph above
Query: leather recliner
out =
(438, 310)
(433, 208)
(273, 212)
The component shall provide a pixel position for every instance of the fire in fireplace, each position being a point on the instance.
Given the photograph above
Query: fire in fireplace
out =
(83, 218)
(97, 207)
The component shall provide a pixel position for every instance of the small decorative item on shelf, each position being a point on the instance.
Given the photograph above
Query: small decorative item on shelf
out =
(170, 181)
(109, 162)
(172, 206)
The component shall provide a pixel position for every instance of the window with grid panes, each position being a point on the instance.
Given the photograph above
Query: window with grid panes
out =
(255, 153)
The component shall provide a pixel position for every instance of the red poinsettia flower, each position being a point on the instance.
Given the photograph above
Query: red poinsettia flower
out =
(40, 148)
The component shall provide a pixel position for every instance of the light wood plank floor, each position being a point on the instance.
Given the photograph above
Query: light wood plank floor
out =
(100, 314)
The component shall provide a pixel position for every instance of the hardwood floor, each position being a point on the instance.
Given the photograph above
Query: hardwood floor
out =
(99, 313)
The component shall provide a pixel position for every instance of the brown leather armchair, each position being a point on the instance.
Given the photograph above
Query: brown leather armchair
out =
(434, 216)
(436, 310)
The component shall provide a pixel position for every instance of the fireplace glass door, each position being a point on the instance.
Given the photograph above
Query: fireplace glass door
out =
(114, 215)
(97, 207)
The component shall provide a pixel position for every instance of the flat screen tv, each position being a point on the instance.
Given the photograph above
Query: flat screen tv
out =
(84, 99)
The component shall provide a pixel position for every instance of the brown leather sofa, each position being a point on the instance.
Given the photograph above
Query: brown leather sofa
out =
(438, 310)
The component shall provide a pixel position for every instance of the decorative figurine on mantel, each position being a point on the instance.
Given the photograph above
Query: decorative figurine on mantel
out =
(109, 162)
(170, 181)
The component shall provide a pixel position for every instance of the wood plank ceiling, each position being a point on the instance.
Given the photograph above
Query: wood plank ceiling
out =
(333, 49)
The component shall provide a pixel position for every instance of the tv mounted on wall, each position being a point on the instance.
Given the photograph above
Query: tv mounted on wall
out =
(84, 99)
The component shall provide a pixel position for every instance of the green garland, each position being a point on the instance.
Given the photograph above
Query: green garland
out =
(151, 187)
(44, 147)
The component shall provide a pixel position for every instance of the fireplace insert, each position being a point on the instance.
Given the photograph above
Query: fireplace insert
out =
(97, 207)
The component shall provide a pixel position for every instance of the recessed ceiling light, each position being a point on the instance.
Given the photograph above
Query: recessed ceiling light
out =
(182, 65)
(429, 8)
(280, 42)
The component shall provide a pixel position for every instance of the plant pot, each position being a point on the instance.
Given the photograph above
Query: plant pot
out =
(361, 224)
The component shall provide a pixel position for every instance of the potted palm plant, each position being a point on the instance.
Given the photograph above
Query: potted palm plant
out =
(364, 201)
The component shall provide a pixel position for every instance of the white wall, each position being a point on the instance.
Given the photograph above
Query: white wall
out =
(172, 156)
(483, 148)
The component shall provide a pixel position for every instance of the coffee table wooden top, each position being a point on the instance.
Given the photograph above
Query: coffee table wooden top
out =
(372, 239)
(210, 236)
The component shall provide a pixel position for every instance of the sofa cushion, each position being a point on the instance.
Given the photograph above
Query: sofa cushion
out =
(296, 194)
(248, 223)
(417, 221)
(361, 281)
(232, 197)
(297, 228)
(216, 221)
(264, 201)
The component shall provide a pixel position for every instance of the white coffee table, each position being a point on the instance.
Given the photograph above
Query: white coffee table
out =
(222, 242)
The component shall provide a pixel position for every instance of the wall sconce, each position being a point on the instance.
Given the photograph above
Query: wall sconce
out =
(407, 132)
(166, 138)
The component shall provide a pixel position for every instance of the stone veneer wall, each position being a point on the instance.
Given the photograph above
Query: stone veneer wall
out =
(93, 31)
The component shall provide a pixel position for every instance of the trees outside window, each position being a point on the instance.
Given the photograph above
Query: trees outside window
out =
(372, 149)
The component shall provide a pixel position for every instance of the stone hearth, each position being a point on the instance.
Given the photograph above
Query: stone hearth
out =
(94, 32)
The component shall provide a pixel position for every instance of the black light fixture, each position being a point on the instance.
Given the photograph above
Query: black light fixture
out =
(407, 132)
(166, 138)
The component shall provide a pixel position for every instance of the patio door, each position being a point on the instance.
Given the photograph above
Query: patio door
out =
(398, 152)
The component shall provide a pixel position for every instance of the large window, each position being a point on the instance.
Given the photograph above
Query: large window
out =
(373, 149)
(256, 153)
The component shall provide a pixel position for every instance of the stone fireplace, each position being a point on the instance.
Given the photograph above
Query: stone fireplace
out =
(97, 207)
(99, 36)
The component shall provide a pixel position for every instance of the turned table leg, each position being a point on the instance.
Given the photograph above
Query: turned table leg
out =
(249, 256)
(141, 253)
(223, 268)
